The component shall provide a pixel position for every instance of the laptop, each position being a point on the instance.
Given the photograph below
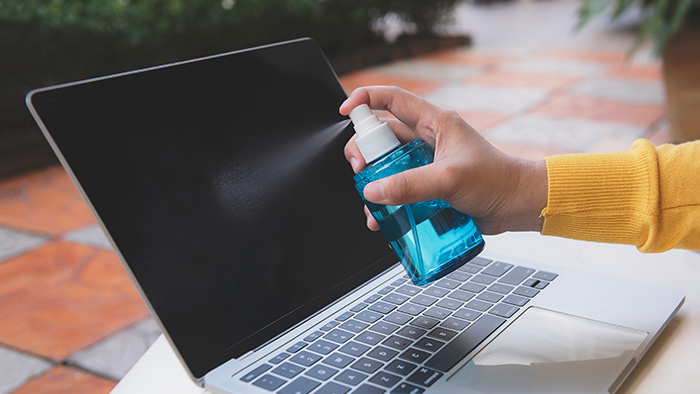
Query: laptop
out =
(222, 185)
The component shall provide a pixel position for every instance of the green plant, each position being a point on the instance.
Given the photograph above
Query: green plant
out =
(661, 18)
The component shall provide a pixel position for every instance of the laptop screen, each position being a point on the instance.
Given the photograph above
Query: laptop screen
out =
(223, 183)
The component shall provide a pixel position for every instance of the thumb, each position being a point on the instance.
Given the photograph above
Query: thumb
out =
(414, 185)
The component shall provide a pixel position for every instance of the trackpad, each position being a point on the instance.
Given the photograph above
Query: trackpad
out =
(551, 352)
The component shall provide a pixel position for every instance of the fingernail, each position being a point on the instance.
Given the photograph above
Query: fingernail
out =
(353, 163)
(375, 192)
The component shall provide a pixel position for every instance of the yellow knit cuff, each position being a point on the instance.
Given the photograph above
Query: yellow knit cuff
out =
(603, 197)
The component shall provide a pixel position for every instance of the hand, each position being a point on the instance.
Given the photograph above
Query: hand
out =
(500, 192)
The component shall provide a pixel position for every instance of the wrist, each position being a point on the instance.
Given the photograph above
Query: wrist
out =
(530, 197)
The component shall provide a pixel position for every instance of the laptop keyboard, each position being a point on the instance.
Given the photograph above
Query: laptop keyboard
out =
(403, 338)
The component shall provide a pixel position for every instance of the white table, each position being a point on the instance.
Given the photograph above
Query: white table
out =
(671, 366)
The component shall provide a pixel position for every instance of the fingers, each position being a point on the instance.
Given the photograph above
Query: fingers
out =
(355, 158)
(414, 185)
(371, 222)
(406, 106)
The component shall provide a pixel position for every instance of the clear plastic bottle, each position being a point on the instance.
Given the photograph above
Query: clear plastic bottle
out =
(430, 238)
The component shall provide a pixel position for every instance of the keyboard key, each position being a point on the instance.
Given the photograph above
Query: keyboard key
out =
(396, 298)
(300, 385)
(429, 344)
(544, 275)
(515, 300)
(269, 382)
(382, 307)
(483, 279)
(490, 297)
(367, 365)
(535, 283)
(383, 327)
(386, 290)
(359, 307)
(367, 389)
(450, 304)
(321, 372)
(338, 336)
(351, 377)
(436, 291)
(296, 347)
(407, 388)
(338, 360)
(329, 326)
(400, 367)
(455, 324)
(305, 358)
(313, 336)
(288, 370)
(461, 295)
(442, 334)
(526, 291)
(354, 326)
(381, 353)
(396, 342)
(370, 338)
(344, 316)
(323, 347)
(398, 318)
(256, 372)
(398, 282)
(504, 310)
(469, 269)
(368, 316)
(385, 379)
(425, 376)
(411, 309)
(333, 388)
(473, 287)
(354, 349)
(448, 283)
(424, 300)
(479, 305)
(459, 276)
(466, 314)
(373, 298)
(414, 355)
(516, 275)
(463, 344)
(411, 332)
(279, 358)
(480, 261)
(437, 313)
(408, 290)
(501, 288)
(424, 322)
(497, 268)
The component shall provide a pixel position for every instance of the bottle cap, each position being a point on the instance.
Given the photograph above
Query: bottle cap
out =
(374, 137)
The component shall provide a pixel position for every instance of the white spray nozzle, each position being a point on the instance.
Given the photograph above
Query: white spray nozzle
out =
(374, 137)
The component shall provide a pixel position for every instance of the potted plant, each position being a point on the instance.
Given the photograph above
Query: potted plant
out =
(674, 27)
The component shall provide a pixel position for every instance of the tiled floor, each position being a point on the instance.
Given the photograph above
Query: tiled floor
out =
(70, 319)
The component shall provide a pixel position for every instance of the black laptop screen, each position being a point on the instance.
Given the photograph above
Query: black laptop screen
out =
(223, 183)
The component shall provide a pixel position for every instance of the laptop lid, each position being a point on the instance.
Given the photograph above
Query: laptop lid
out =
(222, 184)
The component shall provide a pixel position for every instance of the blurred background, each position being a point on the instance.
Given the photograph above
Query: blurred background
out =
(536, 78)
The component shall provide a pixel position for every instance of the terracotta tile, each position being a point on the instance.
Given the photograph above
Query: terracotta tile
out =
(635, 71)
(366, 78)
(524, 80)
(585, 55)
(578, 106)
(470, 57)
(45, 202)
(482, 121)
(63, 297)
(64, 380)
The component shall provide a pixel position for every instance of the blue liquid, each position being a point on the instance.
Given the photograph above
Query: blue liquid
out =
(430, 238)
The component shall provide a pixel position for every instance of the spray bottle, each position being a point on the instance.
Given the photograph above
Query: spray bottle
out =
(430, 238)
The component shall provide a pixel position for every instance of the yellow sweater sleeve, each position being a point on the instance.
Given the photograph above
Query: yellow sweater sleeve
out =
(648, 197)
